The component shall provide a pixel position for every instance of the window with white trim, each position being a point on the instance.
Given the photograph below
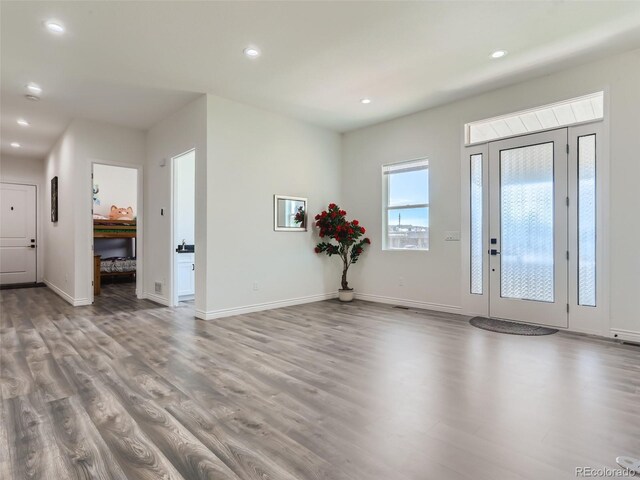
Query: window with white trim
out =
(406, 205)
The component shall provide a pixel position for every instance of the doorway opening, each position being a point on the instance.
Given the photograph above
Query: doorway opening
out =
(115, 212)
(183, 230)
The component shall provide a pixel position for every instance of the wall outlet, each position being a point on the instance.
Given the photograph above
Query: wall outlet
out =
(158, 287)
(452, 236)
(255, 286)
(401, 281)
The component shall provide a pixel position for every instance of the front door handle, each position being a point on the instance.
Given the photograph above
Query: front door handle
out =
(493, 251)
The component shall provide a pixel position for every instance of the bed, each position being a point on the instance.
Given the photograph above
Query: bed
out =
(114, 266)
(114, 229)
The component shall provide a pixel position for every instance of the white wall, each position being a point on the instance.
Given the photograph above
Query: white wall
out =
(59, 237)
(243, 157)
(118, 186)
(68, 255)
(184, 130)
(252, 155)
(433, 278)
(98, 142)
(29, 171)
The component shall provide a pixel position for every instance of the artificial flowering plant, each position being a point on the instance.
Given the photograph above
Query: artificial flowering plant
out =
(334, 225)
(299, 216)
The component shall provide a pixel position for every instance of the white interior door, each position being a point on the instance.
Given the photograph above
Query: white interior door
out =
(17, 233)
(528, 229)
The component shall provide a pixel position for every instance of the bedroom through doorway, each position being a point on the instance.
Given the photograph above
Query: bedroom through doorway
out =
(115, 233)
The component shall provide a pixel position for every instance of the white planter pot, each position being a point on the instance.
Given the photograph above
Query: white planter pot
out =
(346, 295)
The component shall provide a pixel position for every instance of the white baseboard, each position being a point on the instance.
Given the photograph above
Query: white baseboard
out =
(76, 302)
(68, 298)
(229, 312)
(156, 298)
(409, 303)
(626, 335)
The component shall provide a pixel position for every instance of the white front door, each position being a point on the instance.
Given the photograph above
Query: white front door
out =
(528, 242)
(17, 233)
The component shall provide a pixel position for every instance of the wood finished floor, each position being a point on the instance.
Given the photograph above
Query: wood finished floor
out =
(128, 389)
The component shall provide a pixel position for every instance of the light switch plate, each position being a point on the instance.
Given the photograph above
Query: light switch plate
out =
(453, 236)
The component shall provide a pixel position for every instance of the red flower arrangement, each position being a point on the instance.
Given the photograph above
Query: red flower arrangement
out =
(333, 224)
(300, 217)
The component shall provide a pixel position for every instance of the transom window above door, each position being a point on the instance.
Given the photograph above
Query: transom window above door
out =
(587, 108)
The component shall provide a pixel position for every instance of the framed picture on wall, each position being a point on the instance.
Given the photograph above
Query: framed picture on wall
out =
(54, 199)
(289, 214)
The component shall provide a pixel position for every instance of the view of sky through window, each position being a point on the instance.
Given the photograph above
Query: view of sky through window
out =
(407, 205)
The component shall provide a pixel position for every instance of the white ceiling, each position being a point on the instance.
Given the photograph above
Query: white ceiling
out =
(131, 63)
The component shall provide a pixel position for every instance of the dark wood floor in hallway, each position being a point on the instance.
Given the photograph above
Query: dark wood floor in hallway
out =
(129, 389)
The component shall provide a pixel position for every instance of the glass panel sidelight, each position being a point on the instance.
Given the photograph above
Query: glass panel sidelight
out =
(477, 255)
(587, 220)
(527, 223)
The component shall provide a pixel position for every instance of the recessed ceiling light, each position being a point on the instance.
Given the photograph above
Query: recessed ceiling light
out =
(252, 52)
(34, 88)
(365, 100)
(15, 145)
(498, 54)
(23, 122)
(54, 27)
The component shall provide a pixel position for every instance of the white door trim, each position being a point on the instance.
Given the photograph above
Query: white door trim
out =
(173, 260)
